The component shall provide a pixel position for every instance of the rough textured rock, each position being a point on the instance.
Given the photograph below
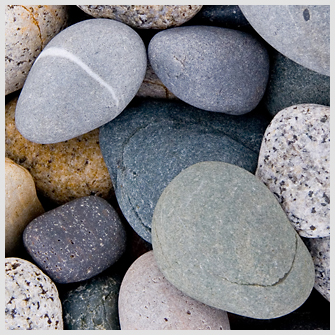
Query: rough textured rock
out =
(221, 237)
(76, 241)
(22, 205)
(32, 301)
(294, 163)
(144, 16)
(212, 68)
(300, 32)
(148, 301)
(27, 31)
(83, 78)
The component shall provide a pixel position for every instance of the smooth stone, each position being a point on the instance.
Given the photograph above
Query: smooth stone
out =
(153, 140)
(21, 205)
(294, 163)
(27, 31)
(32, 301)
(147, 301)
(61, 171)
(76, 241)
(84, 78)
(144, 16)
(220, 236)
(300, 32)
(212, 68)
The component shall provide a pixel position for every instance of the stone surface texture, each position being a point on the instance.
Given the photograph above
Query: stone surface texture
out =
(294, 163)
(221, 237)
(147, 301)
(144, 16)
(32, 301)
(27, 31)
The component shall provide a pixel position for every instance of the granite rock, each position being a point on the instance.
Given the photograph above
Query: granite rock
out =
(300, 32)
(212, 68)
(83, 78)
(147, 301)
(153, 140)
(27, 31)
(220, 236)
(76, 241)
(294, 163)
(32, 301)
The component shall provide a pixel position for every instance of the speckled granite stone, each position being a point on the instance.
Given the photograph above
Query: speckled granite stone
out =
(144, 16)
(31, 298)
(61, 171)
(76, 241)
(294, 163)
(27, 31)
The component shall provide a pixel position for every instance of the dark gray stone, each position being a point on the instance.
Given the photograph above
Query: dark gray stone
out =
(220, 236)
(212, 68)
(300, 32)
(146, 146)
(84, 77)
(76, 241)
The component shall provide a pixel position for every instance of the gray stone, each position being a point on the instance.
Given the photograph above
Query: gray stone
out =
(76, 241)
(84, 78)
(152, 141)
(221, 237)
(294, 163)
(212, 68)
(300, 32)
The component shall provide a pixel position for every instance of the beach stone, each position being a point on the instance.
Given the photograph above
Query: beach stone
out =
(294, 163)
(32, 301)
(76, 241)
(27, 31)
(220, 236)
(144, 16)
(21, 205)
(212, 68)
(61, 171)
(146, 146)
(83, 78)
(147, 301)
(300, 32)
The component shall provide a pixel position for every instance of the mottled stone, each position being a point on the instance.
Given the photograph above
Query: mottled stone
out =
(220, 236)
(300, 32)
(153, 140)
(294, 164)
(32, 301)
(145, 16)
(212, 68)
(27, 31)
(76, 241)
(61, 171)
(84, 77)
(22, 205)
(148, 301)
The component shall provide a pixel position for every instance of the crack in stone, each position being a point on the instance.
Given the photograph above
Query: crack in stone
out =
(36, 24)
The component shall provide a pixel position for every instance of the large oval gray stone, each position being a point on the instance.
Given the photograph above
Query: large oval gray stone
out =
(221, 237)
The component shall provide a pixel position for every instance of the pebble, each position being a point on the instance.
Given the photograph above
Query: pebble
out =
(300, 32)
(208, 68)
(144, 16)
(22, 205)
(220, 236)
(84, 78)
(32, 301)
(147, 301)
(294, 164)
(76, 241)
(27, 31)
(153, 140)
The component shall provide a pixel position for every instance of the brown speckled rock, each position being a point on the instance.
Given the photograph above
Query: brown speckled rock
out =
(62, 171)
(27, 31)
